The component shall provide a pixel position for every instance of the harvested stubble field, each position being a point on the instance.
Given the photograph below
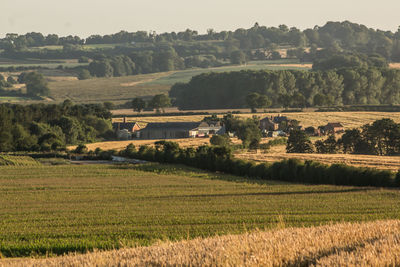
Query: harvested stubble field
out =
(371, 161)
(366, 244)
(59, 209)
(119, 145)
(348, 119)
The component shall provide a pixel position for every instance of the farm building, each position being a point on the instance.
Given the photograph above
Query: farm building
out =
(124, 125)
(170, 130)
(271, 123)
(124, 129)
(333, 127)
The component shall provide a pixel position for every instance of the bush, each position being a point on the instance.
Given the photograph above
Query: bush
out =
(81, 149)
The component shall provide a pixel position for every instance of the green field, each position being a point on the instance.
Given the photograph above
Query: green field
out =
(57, 209)
(122, 89)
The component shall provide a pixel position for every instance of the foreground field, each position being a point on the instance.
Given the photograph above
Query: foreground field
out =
(367, 244)
(58, 209)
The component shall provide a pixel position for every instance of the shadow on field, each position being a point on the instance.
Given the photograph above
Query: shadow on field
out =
(269, 193)
(182, 170)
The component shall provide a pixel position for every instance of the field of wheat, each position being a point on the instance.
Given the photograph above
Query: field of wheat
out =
(52, 210)
(365, 244)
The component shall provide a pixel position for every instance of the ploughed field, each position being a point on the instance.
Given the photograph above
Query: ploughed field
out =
(59, 209)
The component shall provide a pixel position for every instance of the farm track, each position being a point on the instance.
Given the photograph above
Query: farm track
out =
(365, 244)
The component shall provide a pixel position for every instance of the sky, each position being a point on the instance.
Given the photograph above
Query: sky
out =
(87, 17)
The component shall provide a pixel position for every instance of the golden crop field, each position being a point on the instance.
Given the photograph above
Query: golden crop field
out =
(366, 244)
(278, 153)
(348, 119)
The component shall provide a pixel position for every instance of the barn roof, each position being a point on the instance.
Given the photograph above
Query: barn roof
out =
(123, 125)
(172, 126)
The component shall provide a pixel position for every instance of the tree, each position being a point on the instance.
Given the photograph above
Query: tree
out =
(350, 141)
(252, 101)
(299, 142)
(36, 84)
(160, 101)
(220, 140)
(238, 57)
(138, 104)
(329, 146)
(84, 74)
(248, 131)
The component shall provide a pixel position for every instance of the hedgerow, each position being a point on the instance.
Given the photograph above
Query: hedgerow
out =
(214, 158)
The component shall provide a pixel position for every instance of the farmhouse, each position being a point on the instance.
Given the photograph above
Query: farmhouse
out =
(170, 130)
(333, 127)
(271, 123)
(124, 129)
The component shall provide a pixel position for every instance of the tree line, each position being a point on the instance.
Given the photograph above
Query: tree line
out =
(289, 88)
(333, 35)
(40, 127)
(219, 158)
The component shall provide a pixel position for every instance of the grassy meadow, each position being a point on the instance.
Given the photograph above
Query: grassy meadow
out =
(58, 209)
(122, 89)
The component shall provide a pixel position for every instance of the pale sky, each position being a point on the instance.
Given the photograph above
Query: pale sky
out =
(86, 17)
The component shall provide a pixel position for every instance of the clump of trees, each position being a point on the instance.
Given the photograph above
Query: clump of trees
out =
(158, 102)
(247, 130)
(42, 127)
(36, 84)
(299, 142)
(382, 137)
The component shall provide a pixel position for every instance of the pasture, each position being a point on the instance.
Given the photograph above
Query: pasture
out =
(122, 89)
(58, 209)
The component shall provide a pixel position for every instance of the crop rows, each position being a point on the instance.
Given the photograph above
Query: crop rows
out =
(59, 209)
(366, 244)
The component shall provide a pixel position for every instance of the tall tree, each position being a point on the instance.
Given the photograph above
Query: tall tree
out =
(138, 104)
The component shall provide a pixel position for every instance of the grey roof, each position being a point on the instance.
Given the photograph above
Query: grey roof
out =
(123, 125)
(172, 126)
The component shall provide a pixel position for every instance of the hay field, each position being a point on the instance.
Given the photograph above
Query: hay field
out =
(119, 145)
(366, 244)
(59, 209)
(278, 153)
(348, 119)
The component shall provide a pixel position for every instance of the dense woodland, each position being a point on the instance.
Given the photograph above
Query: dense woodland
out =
(289, 88)
(41, 127)
(145, 52)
